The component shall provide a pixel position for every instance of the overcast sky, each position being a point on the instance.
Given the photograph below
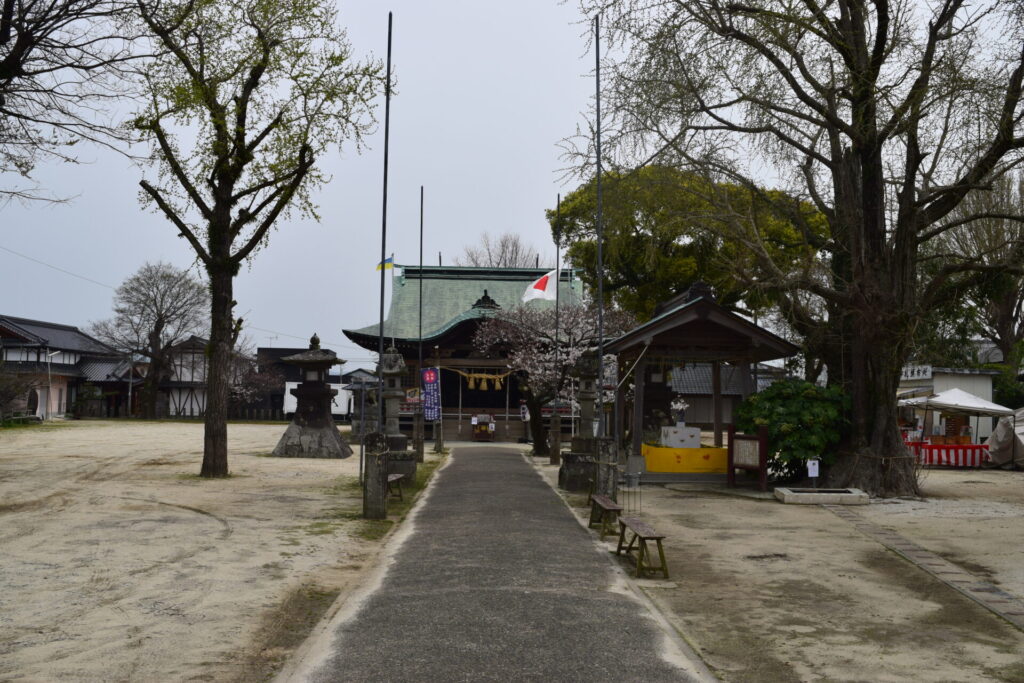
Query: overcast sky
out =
(486, 92)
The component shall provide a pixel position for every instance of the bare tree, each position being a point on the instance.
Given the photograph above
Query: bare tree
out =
(994, 297)
(154, 309)
(242, 98)
(881, 116)
(60, 64)
(507, 250)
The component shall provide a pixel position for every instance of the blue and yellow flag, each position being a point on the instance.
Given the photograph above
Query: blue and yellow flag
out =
(389, 262)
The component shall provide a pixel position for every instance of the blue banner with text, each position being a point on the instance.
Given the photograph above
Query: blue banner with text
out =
(431, 394)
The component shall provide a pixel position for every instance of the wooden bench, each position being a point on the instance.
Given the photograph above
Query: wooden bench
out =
(604, 511)
(641, 534)
(395, 483)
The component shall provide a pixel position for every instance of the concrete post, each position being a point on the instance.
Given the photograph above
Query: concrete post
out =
(439, 437)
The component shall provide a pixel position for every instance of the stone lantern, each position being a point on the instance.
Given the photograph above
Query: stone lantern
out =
(579, 465)
(392, 367)
(312, 433)
(400, 460)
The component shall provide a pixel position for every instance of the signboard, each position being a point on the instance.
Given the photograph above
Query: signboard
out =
(812, 468)
(431, 394)
(916, 372)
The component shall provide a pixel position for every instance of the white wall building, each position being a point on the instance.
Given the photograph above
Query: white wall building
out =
(925, 380)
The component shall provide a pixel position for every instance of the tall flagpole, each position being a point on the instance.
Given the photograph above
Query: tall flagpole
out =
(421, 291)
(384, 234)
(558, 285)
(600, 234)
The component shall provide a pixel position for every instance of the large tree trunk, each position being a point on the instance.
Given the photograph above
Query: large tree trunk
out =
(215, 441)
(157, 355)
(150, 388)
(873, 458)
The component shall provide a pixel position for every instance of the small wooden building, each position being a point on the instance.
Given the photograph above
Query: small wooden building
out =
(691, 328)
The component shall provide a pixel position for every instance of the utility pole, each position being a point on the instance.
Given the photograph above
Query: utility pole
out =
(384, 234)
(600, 234)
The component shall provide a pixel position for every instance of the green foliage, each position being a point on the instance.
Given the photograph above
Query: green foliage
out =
(946, 337)
(242, 98)
(665, 229)
(1007, 389)
(804, 421)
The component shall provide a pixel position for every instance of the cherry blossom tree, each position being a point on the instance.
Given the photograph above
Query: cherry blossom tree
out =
(543, 356)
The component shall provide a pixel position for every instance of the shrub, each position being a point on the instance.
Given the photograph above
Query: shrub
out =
(804, 421)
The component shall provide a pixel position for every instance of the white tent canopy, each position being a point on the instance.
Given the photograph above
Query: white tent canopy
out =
(1006, 445)
(957, 401)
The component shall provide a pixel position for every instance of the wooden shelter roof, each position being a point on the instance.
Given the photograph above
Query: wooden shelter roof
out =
(700, 329)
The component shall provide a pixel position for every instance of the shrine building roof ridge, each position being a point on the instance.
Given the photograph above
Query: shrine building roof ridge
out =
(449, 295)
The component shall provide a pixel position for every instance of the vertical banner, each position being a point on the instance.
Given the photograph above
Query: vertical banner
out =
(431, 394)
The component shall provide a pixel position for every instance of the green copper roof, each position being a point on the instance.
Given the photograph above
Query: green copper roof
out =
(449, 293)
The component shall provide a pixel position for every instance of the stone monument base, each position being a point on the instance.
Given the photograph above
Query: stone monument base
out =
(312, 442)
(577, 472)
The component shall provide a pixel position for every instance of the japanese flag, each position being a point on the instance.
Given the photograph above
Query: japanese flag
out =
(542, 288)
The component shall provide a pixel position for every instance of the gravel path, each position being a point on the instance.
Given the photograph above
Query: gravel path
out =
(498, 581)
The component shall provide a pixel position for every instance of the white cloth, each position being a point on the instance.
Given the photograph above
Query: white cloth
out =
(545, 287)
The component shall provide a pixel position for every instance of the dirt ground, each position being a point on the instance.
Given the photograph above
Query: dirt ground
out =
(770, 592)
(119, 563)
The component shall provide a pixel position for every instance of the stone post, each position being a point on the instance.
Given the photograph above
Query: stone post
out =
(556, 439)
(417, 434)
(375, 479)
(439, 436)
(607, 470)
(588, 397)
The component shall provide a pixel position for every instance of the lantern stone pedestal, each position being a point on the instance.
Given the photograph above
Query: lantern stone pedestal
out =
(579, 466)
(312, 433)
(400, 460)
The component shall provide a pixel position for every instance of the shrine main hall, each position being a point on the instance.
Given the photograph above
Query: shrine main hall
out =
(455, 301)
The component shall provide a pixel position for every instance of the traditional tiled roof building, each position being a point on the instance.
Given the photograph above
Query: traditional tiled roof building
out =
(454, 301)
(59, 359)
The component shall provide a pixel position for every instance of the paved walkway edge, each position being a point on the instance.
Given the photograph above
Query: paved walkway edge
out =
(317, 646)
(686, 657)
(996, 600)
